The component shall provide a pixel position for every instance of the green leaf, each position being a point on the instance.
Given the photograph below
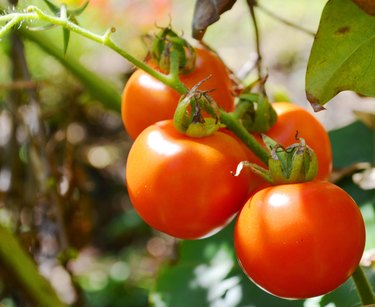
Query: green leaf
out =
(66, 35)
(98, 87)
(343, 54)
(80, 10)
(352, 144)
(21, 266)
(53, 7)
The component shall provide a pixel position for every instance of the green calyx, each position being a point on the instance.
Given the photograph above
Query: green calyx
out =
(188, 118)
(293, 164)
(168, 48)
(255, 112)
(296, 163)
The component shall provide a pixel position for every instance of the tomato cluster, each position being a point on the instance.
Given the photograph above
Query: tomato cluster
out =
(294, 240)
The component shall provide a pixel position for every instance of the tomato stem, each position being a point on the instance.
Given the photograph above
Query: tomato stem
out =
(363, 287)
(251, 5)
(233, 125)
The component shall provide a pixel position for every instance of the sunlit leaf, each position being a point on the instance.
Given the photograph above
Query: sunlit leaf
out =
(207, 12)
(343, 55)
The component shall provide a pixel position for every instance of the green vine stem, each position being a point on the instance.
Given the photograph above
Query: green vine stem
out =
(34, 13)
(363, 287)
(229, 120)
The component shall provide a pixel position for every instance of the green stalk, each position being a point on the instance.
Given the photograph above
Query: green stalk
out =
(229, 120)
(19, 263)
(363, 287)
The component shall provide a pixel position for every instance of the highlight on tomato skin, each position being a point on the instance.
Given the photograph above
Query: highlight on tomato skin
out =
(183, 186)
(298, 241)
(146, 100)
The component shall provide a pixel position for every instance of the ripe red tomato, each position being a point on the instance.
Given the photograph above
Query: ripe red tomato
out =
(183, 186)
(300, 240)
(292, 118)
(146, 100)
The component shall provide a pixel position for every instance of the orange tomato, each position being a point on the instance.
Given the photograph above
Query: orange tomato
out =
(300, 240)
(183, 186)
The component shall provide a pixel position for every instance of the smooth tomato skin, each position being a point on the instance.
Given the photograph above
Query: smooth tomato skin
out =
(256, 182)
(300, 240)
(183, 186)
(292, 118)
(146, 100)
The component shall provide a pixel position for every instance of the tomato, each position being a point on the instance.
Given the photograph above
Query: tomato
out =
(146, 100)
(183, 186)
(300, 240)
(292, 118)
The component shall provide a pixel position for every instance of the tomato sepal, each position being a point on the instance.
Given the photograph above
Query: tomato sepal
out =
(293, 164)
(166, 43)
(188, 118)
(255, 112)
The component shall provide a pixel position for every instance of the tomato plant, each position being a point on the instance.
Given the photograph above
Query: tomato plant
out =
(300, 240)
(294, 241)
(146, 100)
(183, 186)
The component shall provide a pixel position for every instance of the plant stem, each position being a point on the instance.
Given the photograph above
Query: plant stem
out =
(284, 21)
(252, 4)
(363, 287)
(233, 125)
(35, 13)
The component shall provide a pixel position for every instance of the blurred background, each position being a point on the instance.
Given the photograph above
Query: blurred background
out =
(63, 150)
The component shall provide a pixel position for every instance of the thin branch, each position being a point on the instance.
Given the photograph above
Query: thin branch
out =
(284, 21)
(34, 13)
(363, 287)
(258, 63)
